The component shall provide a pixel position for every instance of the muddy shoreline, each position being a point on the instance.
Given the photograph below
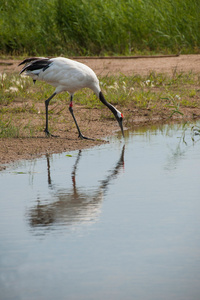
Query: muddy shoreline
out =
(13, 149)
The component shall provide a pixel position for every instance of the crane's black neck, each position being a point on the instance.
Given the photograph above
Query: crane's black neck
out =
(110, 106)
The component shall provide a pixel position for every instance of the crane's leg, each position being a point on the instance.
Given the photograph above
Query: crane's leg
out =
(46, 106)
(72, 113)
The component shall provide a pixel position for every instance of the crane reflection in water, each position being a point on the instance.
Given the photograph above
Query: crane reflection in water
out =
(72, 206)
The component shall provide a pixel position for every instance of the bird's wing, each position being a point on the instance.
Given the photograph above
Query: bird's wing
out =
(63, 73)
(35, 63)
(27, 60)
(66, 73)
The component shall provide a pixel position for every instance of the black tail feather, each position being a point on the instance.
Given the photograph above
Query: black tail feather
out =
(27, 60)
(35, 63)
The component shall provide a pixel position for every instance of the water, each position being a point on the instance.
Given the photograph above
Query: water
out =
(111, 222)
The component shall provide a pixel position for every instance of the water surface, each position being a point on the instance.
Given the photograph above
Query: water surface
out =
(112, 222)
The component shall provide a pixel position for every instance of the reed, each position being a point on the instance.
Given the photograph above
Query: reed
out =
(99, 27)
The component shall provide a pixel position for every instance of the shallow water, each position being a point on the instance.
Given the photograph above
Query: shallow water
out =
(111, 222)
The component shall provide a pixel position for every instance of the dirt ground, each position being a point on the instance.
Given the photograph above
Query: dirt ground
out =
(26, 148)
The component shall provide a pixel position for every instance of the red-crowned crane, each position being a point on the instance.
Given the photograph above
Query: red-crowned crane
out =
(66, 75)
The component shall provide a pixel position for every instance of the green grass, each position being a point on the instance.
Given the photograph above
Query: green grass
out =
(120, 90)
(10, 129)
(22, 102)
(99, 27)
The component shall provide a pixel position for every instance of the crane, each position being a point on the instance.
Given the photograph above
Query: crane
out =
(66, 75)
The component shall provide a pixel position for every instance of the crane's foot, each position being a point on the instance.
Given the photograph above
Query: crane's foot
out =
(84, 137)
(48, 134)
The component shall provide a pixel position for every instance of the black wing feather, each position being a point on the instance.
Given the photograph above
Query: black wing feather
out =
(35, 63)
(27, 60)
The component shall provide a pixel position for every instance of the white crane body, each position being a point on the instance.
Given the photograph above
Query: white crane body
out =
(66, 75)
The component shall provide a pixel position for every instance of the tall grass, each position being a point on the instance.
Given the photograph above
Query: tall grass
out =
(99, 27)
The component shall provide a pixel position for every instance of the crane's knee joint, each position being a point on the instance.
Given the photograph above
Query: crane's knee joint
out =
(46, 102)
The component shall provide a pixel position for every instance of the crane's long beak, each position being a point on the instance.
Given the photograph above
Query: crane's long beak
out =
(120, 121)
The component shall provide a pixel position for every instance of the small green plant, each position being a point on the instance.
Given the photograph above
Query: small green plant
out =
(8, 129)
(174, 105)
(192, 93)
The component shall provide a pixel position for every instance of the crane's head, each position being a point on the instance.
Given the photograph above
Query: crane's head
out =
(119, 116)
